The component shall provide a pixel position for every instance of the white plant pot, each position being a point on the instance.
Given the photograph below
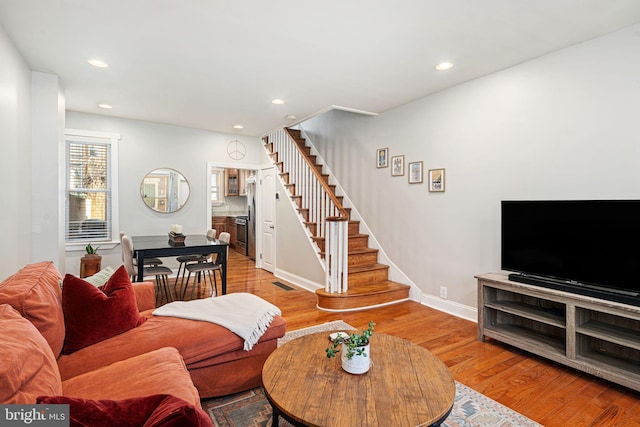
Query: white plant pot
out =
(357, 364)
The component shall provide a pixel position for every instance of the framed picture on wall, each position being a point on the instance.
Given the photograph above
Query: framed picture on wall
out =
(415, 172)
(397, 166)
(382, 157)
(436, 180)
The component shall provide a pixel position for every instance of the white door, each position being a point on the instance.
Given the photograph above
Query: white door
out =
(268, 198)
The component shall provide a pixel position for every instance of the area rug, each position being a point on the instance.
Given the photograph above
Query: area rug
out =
(251, 409)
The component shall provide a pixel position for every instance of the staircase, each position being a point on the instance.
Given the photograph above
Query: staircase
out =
(368, 284)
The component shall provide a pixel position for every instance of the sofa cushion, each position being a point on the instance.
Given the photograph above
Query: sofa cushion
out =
(201, 344)
(145, 295)
(94, 314)
(34, 292)
(101, 277)
(160, 371)
(28, 368)
(154, 410)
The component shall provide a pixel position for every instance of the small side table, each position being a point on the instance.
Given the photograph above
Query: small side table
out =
(90, 265)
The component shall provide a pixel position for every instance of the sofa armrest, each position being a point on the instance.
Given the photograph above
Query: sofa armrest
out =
(145, 295)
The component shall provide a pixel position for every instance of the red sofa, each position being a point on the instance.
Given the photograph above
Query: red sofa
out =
(164, 355)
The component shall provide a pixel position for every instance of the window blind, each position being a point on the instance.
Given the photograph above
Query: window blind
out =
(88, 192)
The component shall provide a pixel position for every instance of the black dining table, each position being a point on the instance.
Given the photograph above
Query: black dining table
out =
(163, 246)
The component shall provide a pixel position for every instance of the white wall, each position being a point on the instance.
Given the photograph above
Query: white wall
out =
(146, 146)
(15, 157)
(563, 126)
(296, 258)
(47, 169)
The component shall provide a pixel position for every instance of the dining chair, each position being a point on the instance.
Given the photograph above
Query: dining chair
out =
(184, 260)
(160, 272)
(207, 269)
(211, 233)
(147, 261)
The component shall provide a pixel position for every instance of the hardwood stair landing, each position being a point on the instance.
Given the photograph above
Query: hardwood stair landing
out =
(363, 296)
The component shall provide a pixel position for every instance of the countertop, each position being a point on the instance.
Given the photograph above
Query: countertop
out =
(233, 216)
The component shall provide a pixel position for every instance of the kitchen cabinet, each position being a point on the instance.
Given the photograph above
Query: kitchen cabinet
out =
(231, 225)
(225, 224)
(242, 179)
(235, 182)
(232, 182)
(219, 223)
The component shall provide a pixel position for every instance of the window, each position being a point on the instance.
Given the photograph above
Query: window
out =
(91, 187)
(216, 186)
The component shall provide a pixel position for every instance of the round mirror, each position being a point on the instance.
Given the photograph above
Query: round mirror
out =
(164, 190)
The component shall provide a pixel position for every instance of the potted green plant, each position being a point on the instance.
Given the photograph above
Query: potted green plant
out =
(355, 350)
(90, 262)
(91, 250)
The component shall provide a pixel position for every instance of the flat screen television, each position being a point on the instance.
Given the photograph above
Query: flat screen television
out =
(589, 247)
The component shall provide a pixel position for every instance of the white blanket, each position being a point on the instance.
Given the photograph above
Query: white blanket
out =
(246, 315)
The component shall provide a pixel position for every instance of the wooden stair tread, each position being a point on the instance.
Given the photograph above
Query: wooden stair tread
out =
(355, 236)
(367, 267)
(354, 251)
(359, 235)
(357, 251)
(370, 289)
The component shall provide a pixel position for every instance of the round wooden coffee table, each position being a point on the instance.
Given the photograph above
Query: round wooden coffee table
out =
(406, 386)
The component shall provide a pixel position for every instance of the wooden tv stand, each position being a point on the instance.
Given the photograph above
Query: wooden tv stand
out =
(593, 335)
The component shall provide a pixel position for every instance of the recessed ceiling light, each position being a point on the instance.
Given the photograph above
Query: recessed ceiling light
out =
(238, 127)
(290, 117)
(277, 101)
(98, 63)
(444, 66)
(105, 106)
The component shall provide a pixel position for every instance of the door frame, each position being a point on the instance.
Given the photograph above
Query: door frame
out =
(260, 214)
(235, 165)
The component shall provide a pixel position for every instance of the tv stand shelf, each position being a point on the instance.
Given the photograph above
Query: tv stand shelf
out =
(597, 336)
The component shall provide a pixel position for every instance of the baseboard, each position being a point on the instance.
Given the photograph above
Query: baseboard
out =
(297, 280)
(450, 307)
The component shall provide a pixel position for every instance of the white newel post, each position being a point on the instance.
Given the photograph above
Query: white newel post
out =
(336, 254)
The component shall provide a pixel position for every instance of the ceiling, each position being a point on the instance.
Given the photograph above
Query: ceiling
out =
(212, 64)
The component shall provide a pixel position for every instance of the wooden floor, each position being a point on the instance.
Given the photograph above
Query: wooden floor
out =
(548, 393)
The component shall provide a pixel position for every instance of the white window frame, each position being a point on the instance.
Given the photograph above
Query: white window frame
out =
(219, 172)
(111, 139)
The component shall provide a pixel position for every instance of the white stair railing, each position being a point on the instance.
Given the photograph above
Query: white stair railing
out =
(318, 206)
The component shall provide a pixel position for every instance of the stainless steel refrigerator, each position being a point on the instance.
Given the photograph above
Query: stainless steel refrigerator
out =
(251, 217)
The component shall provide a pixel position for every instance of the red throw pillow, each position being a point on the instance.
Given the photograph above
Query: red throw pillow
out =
(158, 410)
(94, 314)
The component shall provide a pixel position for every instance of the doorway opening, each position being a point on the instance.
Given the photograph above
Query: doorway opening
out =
(231, 190)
